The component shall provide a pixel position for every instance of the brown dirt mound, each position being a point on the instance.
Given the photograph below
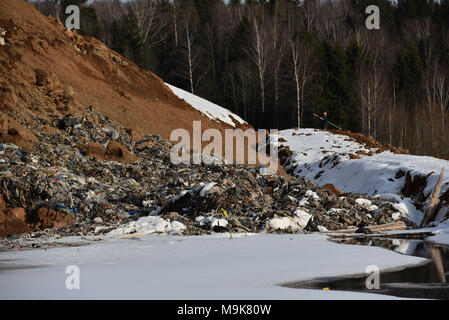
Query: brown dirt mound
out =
(17, 220)
(370, 142)
(114, 151)
(9, 224)
(46, 218)
(333, 190)
(12, 221)
(47, 69)
(12, 131)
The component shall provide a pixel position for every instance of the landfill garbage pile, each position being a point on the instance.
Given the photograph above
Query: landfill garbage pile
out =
(68, 170)
(90, 178)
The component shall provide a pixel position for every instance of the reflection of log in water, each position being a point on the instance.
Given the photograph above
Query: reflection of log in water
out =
(425, 280)
(436, 257)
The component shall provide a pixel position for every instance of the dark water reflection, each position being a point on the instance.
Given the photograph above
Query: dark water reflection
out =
(428, 280)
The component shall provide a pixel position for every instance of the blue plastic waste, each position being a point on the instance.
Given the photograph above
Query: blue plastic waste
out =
(263, 171)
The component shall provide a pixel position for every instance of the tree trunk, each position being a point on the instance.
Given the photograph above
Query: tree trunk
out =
(431, 210)
(175, 23)
(390, 136)
(189, 56)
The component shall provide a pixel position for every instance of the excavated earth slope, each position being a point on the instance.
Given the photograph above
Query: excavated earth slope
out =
(49, 71)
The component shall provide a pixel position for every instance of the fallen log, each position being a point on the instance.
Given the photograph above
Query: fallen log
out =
(431, 209)
(377, 228)
(436, 257)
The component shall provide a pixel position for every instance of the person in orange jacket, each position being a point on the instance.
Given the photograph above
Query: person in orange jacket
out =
(324, 120)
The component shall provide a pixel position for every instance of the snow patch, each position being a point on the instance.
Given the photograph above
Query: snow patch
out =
(211, 110)
(391, 197)
(402, 208)
(324, 157)
(396, 215)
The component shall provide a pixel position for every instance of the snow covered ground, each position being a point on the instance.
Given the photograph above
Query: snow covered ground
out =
(443, 236)
(211, 110)
(204, 267)
(372, 175)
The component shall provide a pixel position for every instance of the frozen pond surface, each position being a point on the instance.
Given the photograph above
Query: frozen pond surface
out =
(203, 267)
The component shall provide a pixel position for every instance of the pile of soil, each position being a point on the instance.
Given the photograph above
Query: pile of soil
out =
(47, 70)
(17, 220)
(370, 142)
(114, 151)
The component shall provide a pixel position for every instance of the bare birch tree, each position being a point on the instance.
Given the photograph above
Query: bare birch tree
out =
(149, 21)
(192, 54)
(303, 69)
(279, 44)
(441, 89)
(175, 22)
(371, 90)
(258, 52)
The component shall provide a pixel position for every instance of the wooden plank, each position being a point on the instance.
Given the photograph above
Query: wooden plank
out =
(399, 235)
(377, 228)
